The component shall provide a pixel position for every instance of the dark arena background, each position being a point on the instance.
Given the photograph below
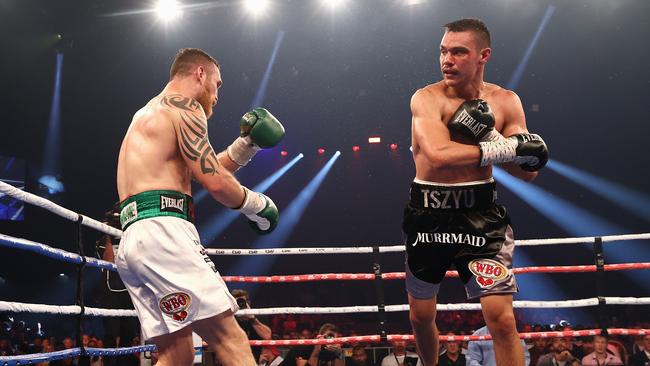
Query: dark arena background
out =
(335, 73)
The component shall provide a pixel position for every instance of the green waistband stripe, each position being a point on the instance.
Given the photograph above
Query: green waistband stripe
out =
(156, 203)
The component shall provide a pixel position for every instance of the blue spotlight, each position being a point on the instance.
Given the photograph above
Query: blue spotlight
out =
(289, 218)
(261, 90)
(216, 224)
(9, 165)
(572, 219)
(624, 197)
(516, 76)
(52, 184)
(576, 221)
(52, 153)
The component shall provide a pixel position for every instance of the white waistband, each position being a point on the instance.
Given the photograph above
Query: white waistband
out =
(475, 182)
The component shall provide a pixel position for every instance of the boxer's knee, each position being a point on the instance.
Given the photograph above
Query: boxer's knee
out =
(422, 313)
(501, 324)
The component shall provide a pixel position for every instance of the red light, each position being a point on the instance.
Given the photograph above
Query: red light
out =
(321, 151)
(393, 147)
(374, 140)
(284, 153)
(356, 148)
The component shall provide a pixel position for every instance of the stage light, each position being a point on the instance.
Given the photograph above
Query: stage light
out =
(321, 151)
(393, 147)
(61, 274)
(168, 10)
(356, 148)
(413, 2)
(374, 140)
(333, 4)
(256, 7)
(284, 153)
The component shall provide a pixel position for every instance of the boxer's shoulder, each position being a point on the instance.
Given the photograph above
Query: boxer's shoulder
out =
(429, 98)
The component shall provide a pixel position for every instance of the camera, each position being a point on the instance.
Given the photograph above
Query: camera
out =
(326, 354)
(242, 303)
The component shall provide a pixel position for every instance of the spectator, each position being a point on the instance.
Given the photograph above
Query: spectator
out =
(600, 356)
(399, 356)
(642, 356)
(327, 355)
(252, 326)
(5, 347)
(297, 356)
(118, 331)
(481, 353)
(305, 333)
(539, 348)
(452, 355)
(359, 357)
(559, 355)
(270, 356)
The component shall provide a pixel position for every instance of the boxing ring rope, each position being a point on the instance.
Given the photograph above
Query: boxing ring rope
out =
(82, 261)
(74, 352)
(519, 304)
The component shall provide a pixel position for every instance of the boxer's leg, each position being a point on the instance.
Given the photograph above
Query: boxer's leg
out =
(226, 339)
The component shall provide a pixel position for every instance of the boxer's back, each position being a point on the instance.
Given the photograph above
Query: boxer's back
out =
(149, 157)
(445, 106)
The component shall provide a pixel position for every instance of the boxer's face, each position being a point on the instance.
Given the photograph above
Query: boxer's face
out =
(461, 57)
(211, 82)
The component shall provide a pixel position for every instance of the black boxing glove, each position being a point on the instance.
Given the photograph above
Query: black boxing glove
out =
(474, 119)
(528, 150)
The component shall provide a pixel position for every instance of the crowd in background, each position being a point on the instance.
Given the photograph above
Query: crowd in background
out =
(17, 338)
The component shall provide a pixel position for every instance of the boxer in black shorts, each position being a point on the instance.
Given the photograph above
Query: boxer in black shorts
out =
(462, 126)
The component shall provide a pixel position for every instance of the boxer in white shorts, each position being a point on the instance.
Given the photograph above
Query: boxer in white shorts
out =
(174, 286)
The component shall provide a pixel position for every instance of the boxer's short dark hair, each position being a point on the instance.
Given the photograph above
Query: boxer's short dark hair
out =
(189, 58)
(471, 25)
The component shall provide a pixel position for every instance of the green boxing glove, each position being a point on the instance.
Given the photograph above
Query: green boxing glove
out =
(259, 130)
(261, 212)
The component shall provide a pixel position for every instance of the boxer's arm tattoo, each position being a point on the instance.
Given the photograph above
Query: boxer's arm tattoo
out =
(181, 102)
(195, 144)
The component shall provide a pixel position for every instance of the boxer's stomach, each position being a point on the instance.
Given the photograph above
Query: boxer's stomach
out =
(424, 171)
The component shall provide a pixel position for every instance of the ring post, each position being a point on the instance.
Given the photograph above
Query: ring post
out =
(379, 291)
(600, 280)
(80, 292)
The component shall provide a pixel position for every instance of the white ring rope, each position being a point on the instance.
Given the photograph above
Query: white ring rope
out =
(521, 304)
(18, 307)
(401, 248)
(35, 200)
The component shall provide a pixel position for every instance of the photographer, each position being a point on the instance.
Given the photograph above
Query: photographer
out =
(253, 327)
(327, 355)
(118, 331)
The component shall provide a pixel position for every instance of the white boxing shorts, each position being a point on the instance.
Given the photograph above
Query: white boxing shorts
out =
(169, 276)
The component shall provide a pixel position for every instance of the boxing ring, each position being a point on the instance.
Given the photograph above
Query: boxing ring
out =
(377, 276)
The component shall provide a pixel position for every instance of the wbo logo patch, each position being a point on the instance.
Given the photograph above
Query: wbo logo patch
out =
(176, 305)
(129, 213)
(488, 272)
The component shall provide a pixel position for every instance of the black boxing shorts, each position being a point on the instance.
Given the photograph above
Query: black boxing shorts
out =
(458, 224)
